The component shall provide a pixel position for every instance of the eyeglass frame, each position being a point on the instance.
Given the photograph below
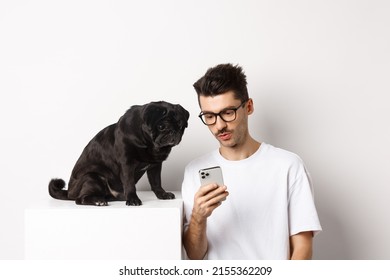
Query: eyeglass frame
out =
(234, 109)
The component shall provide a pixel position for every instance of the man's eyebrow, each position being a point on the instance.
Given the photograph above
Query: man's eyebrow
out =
(224, 109)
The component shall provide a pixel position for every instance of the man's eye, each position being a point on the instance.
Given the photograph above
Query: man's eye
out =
(228, 113)
(208, 116)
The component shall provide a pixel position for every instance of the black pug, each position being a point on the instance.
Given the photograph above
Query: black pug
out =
(117, 157)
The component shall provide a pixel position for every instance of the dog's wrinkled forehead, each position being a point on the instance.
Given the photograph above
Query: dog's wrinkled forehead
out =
(155, 111)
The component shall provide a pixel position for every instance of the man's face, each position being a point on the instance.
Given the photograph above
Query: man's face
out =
(229, 134)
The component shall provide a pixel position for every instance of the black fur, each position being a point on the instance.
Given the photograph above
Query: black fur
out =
(117, 157)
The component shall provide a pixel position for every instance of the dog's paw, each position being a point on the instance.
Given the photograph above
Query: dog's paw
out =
(164, 195)
(92, 200)
(133, 201)
(101, 203)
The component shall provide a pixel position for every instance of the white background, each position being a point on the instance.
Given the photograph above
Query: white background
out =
(318, 72)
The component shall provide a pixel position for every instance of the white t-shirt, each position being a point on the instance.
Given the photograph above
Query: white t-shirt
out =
(270, 199)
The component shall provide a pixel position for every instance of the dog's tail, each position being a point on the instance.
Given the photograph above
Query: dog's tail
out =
(56, 189)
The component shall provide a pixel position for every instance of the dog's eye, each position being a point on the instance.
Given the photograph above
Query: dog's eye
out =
(161, 127)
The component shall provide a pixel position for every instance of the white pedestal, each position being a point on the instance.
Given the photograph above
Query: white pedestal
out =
(56, 229)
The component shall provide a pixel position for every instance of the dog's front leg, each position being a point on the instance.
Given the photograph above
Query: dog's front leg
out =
(128, 181)
(154, 177)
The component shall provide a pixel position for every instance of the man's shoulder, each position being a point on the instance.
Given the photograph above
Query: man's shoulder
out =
(202, 161)
(281, 154)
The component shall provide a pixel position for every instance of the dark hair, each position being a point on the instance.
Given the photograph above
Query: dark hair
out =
(221, 79)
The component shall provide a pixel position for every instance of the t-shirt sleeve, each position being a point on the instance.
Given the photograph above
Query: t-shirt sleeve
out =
(302, 211)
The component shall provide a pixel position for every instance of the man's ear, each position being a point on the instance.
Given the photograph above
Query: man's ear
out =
(250, 108)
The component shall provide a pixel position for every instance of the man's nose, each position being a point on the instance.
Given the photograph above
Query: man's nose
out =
(220, 123)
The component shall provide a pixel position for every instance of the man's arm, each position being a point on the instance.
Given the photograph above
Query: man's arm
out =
(206, 200)
(301, 245)
(195, 239)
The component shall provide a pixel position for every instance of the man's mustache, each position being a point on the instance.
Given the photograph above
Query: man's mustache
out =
(223, 131)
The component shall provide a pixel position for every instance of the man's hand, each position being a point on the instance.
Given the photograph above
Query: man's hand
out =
(206, 200)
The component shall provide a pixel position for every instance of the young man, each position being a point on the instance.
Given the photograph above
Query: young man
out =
(266, 209)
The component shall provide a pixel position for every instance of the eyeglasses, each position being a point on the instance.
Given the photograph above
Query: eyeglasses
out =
(227, 115)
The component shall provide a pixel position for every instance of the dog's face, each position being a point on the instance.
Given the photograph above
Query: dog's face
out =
(164, 123)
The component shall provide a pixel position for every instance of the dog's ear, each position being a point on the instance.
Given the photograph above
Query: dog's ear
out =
(153, 112)
(183, 112)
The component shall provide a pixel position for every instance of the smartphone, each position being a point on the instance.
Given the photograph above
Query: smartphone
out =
(211, 175)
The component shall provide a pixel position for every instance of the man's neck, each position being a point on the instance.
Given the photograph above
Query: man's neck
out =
(240, 152)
